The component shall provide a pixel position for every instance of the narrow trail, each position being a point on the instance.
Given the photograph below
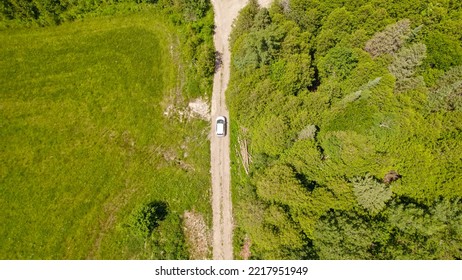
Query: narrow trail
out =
(225, 12)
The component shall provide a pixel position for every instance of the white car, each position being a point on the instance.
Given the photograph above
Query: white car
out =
(220, 126)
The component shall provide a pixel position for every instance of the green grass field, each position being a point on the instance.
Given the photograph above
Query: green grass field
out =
(83, 141)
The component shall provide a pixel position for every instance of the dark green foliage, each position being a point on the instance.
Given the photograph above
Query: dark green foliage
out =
(49, 12)
(262, 19)
(245, 21)
(334, 94)
(421, 232)
(259, 49)
(347, 236)
(405, 231)
(193, 9)
(146, 218)
(337, 63)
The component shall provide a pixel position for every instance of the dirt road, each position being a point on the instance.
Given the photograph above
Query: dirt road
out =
(225, 12)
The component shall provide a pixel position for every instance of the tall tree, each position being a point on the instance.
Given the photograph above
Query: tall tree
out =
(371, 194)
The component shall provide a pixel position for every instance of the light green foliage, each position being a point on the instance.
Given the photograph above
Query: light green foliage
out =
(279, 185)
(371, 19)
(295, 75)
(306, 157)
(371, 194)
(270, 137)
(281, 231)
(348, 153)
(85, 140)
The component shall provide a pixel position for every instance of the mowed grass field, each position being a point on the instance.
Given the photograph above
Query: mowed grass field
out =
(84, 141)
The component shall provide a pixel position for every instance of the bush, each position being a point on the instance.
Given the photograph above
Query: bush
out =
(145, 219)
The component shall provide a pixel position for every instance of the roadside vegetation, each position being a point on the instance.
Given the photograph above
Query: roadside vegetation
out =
(100, 157)
(351, 115)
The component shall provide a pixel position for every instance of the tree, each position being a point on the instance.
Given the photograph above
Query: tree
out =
(338, 63)
(337, 25)
(282, 232)
(293, 73)
(279, 185)
(447, 94)
(390, 39)
(343, 235)
(371, 194)
(422, 232)
(271, 136)
(309, 132)
(262, 19)
(244, 22)
(404, 66)
(444, 51)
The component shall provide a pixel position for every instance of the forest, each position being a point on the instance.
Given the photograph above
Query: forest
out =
(350, 116)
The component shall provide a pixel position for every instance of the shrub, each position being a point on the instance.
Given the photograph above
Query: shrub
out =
(146, 218)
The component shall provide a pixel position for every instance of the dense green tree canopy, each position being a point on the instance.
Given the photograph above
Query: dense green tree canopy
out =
(353, 114)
